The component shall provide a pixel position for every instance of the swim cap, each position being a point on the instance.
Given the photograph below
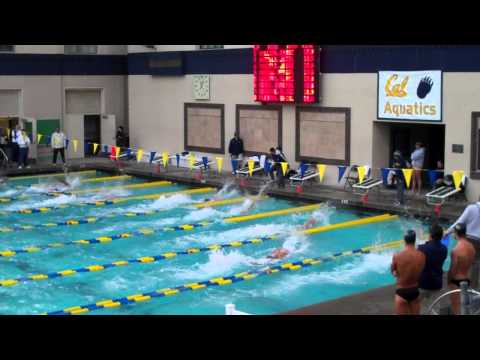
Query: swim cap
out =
(410, 237)
(461, 229)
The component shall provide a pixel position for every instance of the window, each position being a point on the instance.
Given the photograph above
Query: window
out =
(205, 128)
(209, 47)
(475, 147)
(6, 48)
(323, 135)
(81, 49)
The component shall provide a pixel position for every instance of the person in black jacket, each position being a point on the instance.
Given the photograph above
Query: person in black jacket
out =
(235, 149)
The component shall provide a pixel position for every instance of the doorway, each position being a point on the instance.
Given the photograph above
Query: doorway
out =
(92, 133)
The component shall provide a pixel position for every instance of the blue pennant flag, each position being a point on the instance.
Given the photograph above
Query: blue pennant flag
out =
(234, 165)
(205, 162)
(128, 152)
(385, 172)
(105, 149)
(433, 176)
(86, 146)
(399, 174)
(152, 156)
(267, 166)
(341, 172)
(446, 240)
(178, 160)
(303, 168)
(49, 139)
(67, 142)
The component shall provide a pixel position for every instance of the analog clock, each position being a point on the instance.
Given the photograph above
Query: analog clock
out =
(201, 87)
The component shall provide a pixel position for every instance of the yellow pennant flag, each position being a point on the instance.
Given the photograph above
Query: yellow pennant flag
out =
(139, 155)
(219, 164)
(251, 165)
(321, 171)
(75, 144)
(361, 173)
(457, 178)
(165, 159)
(191, 161)
(95, 147)
(117, 151)
(39, 137)
(284, 168)
(407, 174)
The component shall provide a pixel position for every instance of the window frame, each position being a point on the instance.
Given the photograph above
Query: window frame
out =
(474, 147)
(65, 52)
(326, 161)
(199, 47)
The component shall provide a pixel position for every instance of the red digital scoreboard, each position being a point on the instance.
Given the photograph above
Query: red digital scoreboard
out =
(286, 74)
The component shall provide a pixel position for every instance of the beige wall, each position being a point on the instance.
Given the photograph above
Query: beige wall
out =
(156, 114)
(59, 49)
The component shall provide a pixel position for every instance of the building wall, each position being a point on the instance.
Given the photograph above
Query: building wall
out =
(160, 48)
(156, 114)
(59, 49)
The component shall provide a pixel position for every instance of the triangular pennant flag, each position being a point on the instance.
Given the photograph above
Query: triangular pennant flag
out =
(165, 159)
(112, 152)
(446, 240)
(234, 165)
(105, 149)
(385, 172)
(152, 156)
(284, 168)
(75, 145)
(341, 172)
(139, 155)
(67, 142)
(117, 152)
(251, 165)
(205, 162)
(433, 176)
(267, 166)
(95, 147)
(457, 178)
(321, 171)
(128, 152)
(407, 174)
(219, 164)
(303, 169)
(178, 160)
(191, 161)
(48, 139)
(367, 171)
(39, 138)
(361, 173)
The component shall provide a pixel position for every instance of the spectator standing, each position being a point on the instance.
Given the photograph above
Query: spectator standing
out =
(23, 142)
(14, 138)
(418, 159)
(58, 143)
(235, 149)
(121, 137)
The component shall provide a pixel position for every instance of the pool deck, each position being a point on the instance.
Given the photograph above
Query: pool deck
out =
(374, 302)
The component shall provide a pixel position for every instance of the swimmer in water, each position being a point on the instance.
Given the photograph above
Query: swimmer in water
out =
(278, 254)
(310, 223)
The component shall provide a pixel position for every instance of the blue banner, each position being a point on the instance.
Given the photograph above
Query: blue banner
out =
(433, 176)
(385, 172)
(152, 156)
(446, 240)
(178, 160)
(303, 168)
(341, 172)
(67, 142)
(128, 152)
(205, 162)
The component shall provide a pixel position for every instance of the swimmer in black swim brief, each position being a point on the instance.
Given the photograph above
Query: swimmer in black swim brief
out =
(408, 294)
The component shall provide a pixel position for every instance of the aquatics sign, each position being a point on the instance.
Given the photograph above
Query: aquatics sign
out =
(410, 95)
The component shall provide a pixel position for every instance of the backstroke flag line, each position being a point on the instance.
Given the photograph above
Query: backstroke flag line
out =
(321, 171)
(284, 168)
(251, 165)
(219, 164)
(361, 173)
(457, 178)
(407, 174)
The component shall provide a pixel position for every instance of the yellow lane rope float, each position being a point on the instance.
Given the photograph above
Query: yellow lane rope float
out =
(220, 281)
(128, 214)
(106, 239)
(145, 185)
(52, 175)
(273, 213)
(108, 202)
(145, 259)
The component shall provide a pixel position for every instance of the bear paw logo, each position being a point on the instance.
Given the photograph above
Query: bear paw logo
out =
(424, 87)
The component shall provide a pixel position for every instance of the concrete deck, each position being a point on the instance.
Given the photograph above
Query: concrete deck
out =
(374, 302)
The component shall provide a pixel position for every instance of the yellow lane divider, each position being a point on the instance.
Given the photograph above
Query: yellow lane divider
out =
(145, 185)
(369, 220)
(145, 259)
(229, 201)
(51, 175)
(274, 213)
(106, 178)
(220, 281)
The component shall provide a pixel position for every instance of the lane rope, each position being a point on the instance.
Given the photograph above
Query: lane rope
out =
(15, 178)
(220, 281)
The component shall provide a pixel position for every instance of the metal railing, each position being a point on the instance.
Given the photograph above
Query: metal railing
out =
(469, 300)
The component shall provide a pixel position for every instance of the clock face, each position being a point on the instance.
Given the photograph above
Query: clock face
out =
(201, 87)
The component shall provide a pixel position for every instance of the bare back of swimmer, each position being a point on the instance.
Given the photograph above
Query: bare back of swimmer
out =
(279, 254)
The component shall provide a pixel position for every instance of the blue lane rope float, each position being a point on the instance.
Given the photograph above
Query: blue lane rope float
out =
(102, 239)
(95, 219)
(220, 281)
(107, 202)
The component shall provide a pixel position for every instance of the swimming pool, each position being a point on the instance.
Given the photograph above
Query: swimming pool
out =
(104, 242)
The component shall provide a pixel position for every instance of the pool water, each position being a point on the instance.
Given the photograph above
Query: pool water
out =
(264, 295)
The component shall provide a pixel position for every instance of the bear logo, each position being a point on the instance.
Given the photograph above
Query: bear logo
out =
(424, 87)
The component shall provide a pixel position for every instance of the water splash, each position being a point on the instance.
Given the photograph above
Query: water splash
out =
(203, 214)
(226, 191)
(52, 202)
(165, 202)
